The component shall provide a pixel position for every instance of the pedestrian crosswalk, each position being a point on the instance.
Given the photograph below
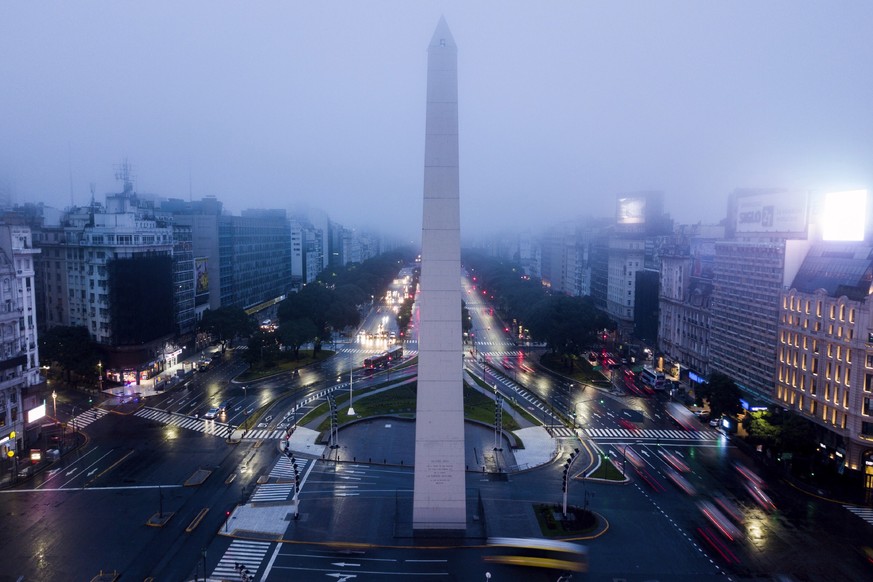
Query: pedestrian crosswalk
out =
(82, 420)
(219, 429)
(183, 421)
(407, 353)
(263, 434)
(509, 354)
(663, 434)
(561, 431)
(241, 552)
(272, 492)
(865, 513)
(284, 471)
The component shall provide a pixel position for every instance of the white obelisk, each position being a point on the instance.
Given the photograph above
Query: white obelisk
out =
(439, 499)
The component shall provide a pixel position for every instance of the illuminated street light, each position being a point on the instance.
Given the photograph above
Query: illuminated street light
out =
(55, 403)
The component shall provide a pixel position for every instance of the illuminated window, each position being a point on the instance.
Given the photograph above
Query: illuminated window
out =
(852, 315)
(842, 313)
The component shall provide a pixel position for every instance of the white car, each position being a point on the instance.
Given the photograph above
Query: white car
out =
(211, 413)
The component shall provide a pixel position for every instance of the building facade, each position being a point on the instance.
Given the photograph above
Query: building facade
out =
(19, 350)
(825, 351)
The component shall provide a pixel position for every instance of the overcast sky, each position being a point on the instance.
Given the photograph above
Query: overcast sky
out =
(563, 105)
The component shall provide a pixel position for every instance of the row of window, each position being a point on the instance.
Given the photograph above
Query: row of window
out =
(805, 306)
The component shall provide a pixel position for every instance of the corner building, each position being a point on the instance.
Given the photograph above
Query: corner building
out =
(825, 351)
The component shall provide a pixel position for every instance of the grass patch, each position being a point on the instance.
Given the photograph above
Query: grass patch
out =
(515, 406)
(286, 364)
(553, 524)
(401, 400)
(607, 471)
(579, 369)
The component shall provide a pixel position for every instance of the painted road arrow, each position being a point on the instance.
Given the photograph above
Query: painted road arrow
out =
(344, 564)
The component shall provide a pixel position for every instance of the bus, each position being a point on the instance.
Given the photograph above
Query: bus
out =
(383, 359)
(372, 363)
(538, 553)
(652, 378)
(395, 353)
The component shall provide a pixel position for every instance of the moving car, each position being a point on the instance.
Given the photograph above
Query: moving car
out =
(211, 413)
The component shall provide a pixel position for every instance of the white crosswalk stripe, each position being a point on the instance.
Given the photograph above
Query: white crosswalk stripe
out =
(249, 554)
(187, 422)
(865, 513)
(263, 433)
(562, 431)
(666, 434)
(84, 419)
(272, 492)
(283, 469)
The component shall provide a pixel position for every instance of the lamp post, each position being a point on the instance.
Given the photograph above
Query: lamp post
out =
(351, 381)
(245, 408)
(55, 403)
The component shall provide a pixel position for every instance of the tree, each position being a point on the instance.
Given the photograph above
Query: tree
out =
(760, 429)
(72, 349)
(723, 395)
(226, 323)
(297, 332)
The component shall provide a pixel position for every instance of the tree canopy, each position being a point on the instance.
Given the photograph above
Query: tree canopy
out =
(723, 395)
(226, 323)
(72, 349)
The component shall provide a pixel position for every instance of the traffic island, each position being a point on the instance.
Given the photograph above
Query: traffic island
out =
(577, 522)
(199, 476)
(160, 519)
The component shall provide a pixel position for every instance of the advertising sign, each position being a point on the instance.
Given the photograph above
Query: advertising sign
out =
(35, 414)
(782, 212)
(201, 275)
(631, 210)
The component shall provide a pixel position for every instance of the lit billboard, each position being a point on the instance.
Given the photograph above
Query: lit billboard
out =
(631, 210)
(845, 215)
(35, 414)
(782, 212)
(201, 275)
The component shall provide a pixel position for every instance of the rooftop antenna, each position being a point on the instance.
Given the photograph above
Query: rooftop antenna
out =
(93, 188)
(70, 163)
(124, 173)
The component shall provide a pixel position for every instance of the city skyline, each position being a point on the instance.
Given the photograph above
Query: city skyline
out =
(286, 105)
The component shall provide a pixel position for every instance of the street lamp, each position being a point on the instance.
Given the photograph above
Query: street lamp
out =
(245, 408)
(351, 381)
(55, 403)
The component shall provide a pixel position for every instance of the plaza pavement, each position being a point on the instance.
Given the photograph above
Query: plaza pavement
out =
(384, 521)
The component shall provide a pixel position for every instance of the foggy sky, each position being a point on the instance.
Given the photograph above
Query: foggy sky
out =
(562, 105)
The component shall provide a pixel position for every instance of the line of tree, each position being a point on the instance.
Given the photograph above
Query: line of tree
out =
(568, 325)
(334, 302)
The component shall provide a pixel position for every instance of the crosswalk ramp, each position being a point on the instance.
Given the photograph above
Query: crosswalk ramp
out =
(183, 421)
(247, 553)
(83, 419)
(865, 513)
(665, 434)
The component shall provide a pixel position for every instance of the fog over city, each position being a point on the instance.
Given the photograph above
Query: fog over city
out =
(563, 105)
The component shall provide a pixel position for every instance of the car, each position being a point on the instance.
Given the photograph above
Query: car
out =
(713, 422)
(223, 406)
(211, 413)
